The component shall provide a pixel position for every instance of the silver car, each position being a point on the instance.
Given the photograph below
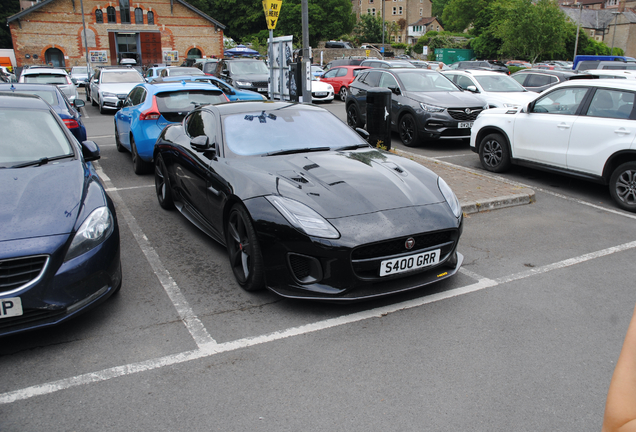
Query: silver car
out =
(110, 85)
(79, 75)
(46, 75)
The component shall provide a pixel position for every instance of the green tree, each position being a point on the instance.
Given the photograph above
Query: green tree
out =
(369, 29)
(486, 44)
(459, 14)
(8, 9)
(438, 8)
(532, 30)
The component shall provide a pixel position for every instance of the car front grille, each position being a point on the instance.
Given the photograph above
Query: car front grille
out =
(17, 272)
(259, 84)
(461, 114)
(122, 96)
(366, 259)
(30, 316)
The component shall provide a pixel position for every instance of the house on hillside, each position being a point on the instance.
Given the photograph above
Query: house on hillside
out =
(150, 31)
(420, 27)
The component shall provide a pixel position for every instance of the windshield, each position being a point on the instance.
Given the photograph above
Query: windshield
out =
(128, 76)
(248, 68)
(47, 140)
(426, 82)
(49, 96)
(185, 100)
(79, 70)
(501, 83)
(263, 132)
(184, 71)
(45, 79)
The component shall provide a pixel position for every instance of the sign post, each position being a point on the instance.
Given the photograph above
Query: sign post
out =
(272, 10)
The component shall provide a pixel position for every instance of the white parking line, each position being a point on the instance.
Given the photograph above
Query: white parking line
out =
(210, 349)
(451, 156)
(114, 189)
(102, 136)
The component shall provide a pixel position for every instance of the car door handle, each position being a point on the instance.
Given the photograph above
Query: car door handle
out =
(622, 131)
(563, 126)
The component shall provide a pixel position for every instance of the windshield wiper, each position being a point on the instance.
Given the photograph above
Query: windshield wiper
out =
(42, 161)
(300, 150)
(352, 147)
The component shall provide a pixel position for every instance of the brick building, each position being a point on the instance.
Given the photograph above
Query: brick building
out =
(149, 31)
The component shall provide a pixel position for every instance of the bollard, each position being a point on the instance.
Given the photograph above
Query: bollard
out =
(379, 117)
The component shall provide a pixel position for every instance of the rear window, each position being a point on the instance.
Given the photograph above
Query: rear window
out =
(45, 79)
(185, 100)
(129, 76)
(49, 96)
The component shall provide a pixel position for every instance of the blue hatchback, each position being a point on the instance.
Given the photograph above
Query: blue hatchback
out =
(68, 111)
(150, 107)
(232, 93)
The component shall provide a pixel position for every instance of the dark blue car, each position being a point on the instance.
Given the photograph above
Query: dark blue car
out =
(68, 112)
(59, 240)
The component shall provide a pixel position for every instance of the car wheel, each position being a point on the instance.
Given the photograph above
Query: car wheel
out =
(623, 186)
(408, 130)
(162, 185)
(140, 166)
(101, 108)
(243, 250)
(494, 154)
(353, 117)
(118, 144)
(343, 93)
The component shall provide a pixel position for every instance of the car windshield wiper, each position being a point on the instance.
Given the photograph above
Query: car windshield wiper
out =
(352, 147)
(300, 150)
(42, 161)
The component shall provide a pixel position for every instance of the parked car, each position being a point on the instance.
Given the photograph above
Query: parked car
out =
(232, 93)
(606, 65)
(67, 110)
(613, 73)
(537, 80)
(386, 64)
(343, 62)
(493, 65)
(499, 90)
(420, 64)
(583, 61)
(245, 74)
(79, 75)
(7, 74)
(46, 75)
(59, 242)
(581, 128)
(180, 71)
(317, 71)
(425, 104)
(154, 72)
(304, 206)
(110, 85)
(338, 44)
(321, 91)
(340, 77)
(519, 63)
(150, 107)
(206, 65)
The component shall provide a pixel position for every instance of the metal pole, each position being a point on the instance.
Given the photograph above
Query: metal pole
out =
(614, 34)
(85, 39)
(578, 27)
(306, 66)
(383, 29)
(271, 66)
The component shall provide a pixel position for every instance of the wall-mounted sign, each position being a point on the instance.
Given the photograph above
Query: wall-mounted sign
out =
(170, 56)
(272, 10)
(98, 56)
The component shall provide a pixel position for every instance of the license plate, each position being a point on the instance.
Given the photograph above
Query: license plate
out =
(465, 125)
(10, 307)
(412, 262)
(261, 89)
(321, 94)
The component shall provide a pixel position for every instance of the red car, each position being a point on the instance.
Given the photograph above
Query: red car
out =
(340, 77)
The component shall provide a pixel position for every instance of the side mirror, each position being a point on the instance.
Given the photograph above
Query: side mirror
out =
(200, 143)
(472, 89)
(90, 151)
(78, 103)
(363, 133)
(395, 90)
(74, 80)
(120, 103)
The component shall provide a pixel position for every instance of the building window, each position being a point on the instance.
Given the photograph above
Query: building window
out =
(194, 53)
(394, 11)
(124, 11)
(370, 1)
(437, 28)
(399, 38)
(612, 3)
(139, 16)
(150, 16)
(421, 11)
(400, 10)
(99, 16)
(110, 14)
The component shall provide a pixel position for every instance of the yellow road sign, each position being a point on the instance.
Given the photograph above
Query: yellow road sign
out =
(272, 10)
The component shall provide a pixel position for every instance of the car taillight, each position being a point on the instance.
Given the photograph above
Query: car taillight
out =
(68, 80)
(152, 113)
(70, 123)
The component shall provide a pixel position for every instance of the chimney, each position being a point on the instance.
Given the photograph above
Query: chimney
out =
(621, 5)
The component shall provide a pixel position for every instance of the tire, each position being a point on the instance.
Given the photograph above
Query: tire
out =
(140, 166)
(101, 109)
(343, 93)
(353, 117)
(118, 144)
(494, 153)
(243, 250)
(162, 185)
(623, 186)
(407, 128)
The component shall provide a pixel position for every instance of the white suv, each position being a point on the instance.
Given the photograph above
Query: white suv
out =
(499, 90)
(110, 85)
(583, 128)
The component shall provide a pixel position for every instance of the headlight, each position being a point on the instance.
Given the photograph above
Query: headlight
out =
(509, 105)
(244, 83)
(450, 197)
(97, 227)
(303, 218)
(105, 94)
(330, 87)
(431, 108)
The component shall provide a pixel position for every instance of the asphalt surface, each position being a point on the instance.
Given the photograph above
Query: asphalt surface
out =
(524, 338)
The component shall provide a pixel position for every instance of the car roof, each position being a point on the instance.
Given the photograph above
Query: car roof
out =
(473, 72)
(613, 84)
(265, 105)
(21, 100)
(44, 70)
(549, 72)
(157, 86)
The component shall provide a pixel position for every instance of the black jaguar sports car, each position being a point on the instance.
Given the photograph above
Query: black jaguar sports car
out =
(305, 206)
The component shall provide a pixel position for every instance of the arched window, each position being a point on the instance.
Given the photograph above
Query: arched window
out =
(139, 16)
(150, 16)
(124, 11)
(54, 57)
(110, 14)
(194, 53)
(99, 16)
